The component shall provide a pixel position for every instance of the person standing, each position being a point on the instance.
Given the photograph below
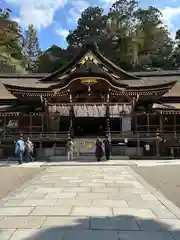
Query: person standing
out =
(20, 149)
(107, 147)
(70, 149)
(29, 148)
(99, 149)
(35, 151)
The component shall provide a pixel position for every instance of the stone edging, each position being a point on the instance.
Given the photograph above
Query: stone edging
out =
(167, 203)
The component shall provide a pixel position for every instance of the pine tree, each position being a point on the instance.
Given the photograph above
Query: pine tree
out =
(31, 48)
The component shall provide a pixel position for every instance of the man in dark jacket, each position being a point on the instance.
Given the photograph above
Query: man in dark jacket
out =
(107, 147)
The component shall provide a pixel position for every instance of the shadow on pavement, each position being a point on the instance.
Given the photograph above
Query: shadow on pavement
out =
(105, 228)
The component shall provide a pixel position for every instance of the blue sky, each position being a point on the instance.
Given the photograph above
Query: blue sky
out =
(53, 18)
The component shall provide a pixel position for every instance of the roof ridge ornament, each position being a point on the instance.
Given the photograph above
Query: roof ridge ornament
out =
(89, 57)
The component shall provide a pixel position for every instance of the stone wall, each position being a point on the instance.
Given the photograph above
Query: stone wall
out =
(86, 148)
(51, 152)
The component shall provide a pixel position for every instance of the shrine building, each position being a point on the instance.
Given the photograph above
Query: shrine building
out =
(89, 97)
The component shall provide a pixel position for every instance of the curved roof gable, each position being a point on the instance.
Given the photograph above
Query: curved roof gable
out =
(90, 54)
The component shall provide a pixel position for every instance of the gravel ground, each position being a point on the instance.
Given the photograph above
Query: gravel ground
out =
(12, 178)
(165, 179)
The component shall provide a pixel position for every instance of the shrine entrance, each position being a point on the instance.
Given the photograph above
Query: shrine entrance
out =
(89, 126)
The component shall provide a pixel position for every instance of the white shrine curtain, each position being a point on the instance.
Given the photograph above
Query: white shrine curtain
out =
(126, 124)
(116, 110)
(62, 110)
(90, 111)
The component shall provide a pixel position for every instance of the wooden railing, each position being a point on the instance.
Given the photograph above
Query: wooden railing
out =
(146, 135)
(58, 136)
(51, 136)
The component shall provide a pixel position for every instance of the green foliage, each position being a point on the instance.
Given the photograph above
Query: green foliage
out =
(132, 37)
(91, 26)
(31, 49)
(52, 59)
(135, 36)
(11, 57)
(176, 53)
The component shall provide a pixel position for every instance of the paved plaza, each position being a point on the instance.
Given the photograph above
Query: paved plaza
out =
(89, 203)
(165, 178)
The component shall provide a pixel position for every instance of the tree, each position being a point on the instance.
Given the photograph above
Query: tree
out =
(140, 35)
(52, 59)
(157, 43)
(127, 36)
(122, 16)
(136, 38)
(11, 58)
(176, 53)
(91, 25)
(31, 48)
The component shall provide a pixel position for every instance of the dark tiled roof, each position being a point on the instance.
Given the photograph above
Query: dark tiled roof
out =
(23, 82)
(157, 73)
(138, 74)
(174, 91)
(150, 81)
(17, 75)
(89, 47)
(174, 106)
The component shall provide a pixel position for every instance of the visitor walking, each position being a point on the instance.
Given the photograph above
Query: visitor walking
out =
(20, 149)
(29, 149)
(70, 149)
(99, 149)
(107, 147)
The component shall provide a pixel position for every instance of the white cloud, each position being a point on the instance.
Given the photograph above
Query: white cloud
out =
(40, 13)
(107, 3)
(168, 16)
(62, 32)
(16, 19)
(77, 7)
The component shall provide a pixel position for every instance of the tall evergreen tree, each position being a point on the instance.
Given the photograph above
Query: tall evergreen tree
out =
(91, 26)
(176, 54)
(31, 48)
(11, 57)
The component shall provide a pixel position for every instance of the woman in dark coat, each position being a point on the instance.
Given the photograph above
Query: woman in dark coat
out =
(99, 149)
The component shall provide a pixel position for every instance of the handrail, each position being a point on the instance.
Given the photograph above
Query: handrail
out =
(114, 134)
(36, 135)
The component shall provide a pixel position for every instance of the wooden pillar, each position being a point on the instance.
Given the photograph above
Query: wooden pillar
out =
(148, 124)
(161, 122)
(42, 122)
(134, 116)
(4, 127)
(135, 122)
(46, 115)
(70, 133)
(30, 124)
(108, 130)
(138, 145)
(174, 126)
(40, 151)
(157, 144)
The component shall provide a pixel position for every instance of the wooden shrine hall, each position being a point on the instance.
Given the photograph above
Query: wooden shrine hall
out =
(90, 97)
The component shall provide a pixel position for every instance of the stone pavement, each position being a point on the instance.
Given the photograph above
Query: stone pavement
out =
(89, 203)
(141, 163)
